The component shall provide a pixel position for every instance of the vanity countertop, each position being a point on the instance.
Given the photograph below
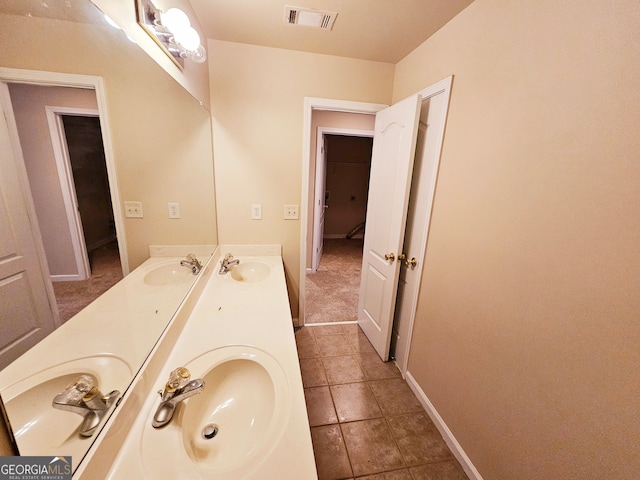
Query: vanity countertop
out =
(244, 315)
(131, 308)
(109, 340)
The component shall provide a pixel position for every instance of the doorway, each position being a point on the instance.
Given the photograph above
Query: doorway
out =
(437, 121)
(91, 87)
(85, 149)
(343, 162)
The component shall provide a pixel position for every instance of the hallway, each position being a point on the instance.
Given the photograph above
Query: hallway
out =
(332, 291)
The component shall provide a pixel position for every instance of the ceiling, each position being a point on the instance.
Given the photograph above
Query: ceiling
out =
(379, 30)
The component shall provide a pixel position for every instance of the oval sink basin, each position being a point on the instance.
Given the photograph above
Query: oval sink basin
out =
(40, 429)
(250, 272)
(169, 275)
(225, 431)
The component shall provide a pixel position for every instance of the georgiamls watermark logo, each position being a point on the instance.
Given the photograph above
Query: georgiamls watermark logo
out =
(35, 468)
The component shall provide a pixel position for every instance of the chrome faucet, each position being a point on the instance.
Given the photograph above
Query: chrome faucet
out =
(177, 389)
(193, 263)
(84, 398)
(226, 263)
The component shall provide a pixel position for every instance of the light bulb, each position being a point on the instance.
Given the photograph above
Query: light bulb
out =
(175, 20)
(199, 55)
(188, 38)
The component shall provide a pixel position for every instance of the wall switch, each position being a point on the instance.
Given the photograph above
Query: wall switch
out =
(256, 212)
(174, 210)
(133, 209)
(291, 212)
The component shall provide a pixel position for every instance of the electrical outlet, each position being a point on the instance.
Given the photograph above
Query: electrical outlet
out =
(256, 212)
(291, 212)
(133, 209)
(174, 210)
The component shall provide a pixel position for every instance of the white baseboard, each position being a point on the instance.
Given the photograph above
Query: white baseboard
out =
(67, 278)
(321, 324)
(450, 440)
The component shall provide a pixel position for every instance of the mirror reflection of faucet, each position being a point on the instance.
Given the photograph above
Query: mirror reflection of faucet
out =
(193, 263)
(177, 389)
(226, 263)
(84, 398)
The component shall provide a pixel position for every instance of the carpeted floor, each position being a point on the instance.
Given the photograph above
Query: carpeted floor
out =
(106, 271)
(331, 293)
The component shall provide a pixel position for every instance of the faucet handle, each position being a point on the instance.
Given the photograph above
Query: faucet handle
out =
(178, 378)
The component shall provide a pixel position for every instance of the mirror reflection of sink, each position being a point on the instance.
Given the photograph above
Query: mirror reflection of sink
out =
(250, 272)
(40, 429)
(169, 275)
(226, 430)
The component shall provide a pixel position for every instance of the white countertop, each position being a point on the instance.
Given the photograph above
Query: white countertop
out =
(228, 312)
(109, 339)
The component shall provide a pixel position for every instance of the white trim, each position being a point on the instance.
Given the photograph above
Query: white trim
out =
(347, 132)
(443, 87)
(447, 435)
(323, 324)
(67, 187)
(65, 278)
(39, 77)
(310, 104)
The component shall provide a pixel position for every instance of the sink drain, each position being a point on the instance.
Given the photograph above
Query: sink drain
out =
(210, 431)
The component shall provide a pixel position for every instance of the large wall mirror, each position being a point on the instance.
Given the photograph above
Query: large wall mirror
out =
(161, 144)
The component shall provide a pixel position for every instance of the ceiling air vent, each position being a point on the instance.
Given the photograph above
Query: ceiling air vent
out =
(309, 17)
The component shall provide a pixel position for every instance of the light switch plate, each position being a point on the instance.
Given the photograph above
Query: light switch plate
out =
(256, 212)
(291, 212)
(174, 210)
(133, 209)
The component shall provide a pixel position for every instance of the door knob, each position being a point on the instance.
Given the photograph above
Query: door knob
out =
(401, 257)
(411, 263)
(390, 257)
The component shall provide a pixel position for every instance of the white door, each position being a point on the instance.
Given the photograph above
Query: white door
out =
(392, 159)
(319, 200)
(433, 115)
(26, 311)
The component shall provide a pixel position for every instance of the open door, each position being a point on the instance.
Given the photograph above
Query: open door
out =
(27, 312)
(319, 204)
(392, 159)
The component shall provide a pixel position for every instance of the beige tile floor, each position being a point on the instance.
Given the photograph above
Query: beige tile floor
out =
(365, 421)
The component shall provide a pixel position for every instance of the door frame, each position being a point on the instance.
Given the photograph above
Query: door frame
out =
(90, 82)
(67, 186)
(322, 131)
(311, 104)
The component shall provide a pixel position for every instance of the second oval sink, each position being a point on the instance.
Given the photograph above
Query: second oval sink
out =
(168, 275)
(250, 272)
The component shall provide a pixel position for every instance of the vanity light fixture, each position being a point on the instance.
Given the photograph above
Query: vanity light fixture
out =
(172, 30)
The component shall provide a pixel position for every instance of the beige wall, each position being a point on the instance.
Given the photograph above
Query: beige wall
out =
(526, 336)
(29, 103)
(161, 135)
(257, 103)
